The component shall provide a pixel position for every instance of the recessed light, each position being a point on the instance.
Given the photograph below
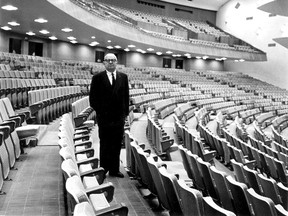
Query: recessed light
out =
(139, 50)
(189, 57)
(218, 59)
(53, 38)
(174, 55)
(93, 43)
(71, 38)
(9, 7)
(41, 20)
(109, 41)
(44, 31)
(30, 33)
(150, 49)
(224, 58)
(131, 46)
(126, 49)
(117, 47)
(158, 53)
(93, 37)
(169, 52)
(6, 28)
(187, 54)
(74, 41)
(109, 47)
(205, 57)
(198, 57)
(67, 29)
(13, 23)
(236, 60)
(241, 60)
(143, 52)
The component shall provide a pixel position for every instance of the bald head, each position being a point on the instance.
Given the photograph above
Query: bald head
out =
(110, 62)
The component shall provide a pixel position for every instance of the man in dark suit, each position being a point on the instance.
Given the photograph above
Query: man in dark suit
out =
(109, 97)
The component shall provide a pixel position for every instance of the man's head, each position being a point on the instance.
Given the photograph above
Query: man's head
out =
(110, 62)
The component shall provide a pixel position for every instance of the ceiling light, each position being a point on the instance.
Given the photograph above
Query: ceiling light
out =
(139, 50)
(126, 49)
(109, 41)
(205, 57)
(236, 60)
(71, 38)
(93, 37)
(241, 60)
(131, 46)
(178, 55)
(187, 54)
(218, 59)
(6, 28)
(93, 43)
(143, 51)
(189, 57)
(109, 47)
(174, 55)
(30, 33)
(117, 47)
(150, 49)
(44, 31)
(169, 52)
(9, 7)
(41, 20)
(74, 41)
(53, 38)
(198, 57)
(66, 30)
(158, 53)
(224, 58)
(13, 23)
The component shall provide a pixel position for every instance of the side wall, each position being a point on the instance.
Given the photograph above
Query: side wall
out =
(258, 31)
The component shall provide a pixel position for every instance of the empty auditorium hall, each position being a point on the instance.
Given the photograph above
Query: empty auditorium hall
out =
(193, 93)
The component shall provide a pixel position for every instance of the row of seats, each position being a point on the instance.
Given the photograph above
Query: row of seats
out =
(13, 130)
(83, 179)
(48, 104)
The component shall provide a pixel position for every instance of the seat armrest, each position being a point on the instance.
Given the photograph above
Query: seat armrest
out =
(106, 188)
(11, 124)
(99, 174)
(34, 108)
(5, 130)
(17, 120)
(86, 143)
(89, 152)
(84, 137)
(92, 160)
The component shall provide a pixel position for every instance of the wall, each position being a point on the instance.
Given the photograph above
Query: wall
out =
(59, 50)
(259, 32)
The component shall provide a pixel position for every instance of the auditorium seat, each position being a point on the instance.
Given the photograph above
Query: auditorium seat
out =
(95, 196)
(283, 192)
(221, 187)
(191, 200)
(264, 206)
(252, 179)
(238, 191)
(238, 171)
(90, 178)
(4, 155)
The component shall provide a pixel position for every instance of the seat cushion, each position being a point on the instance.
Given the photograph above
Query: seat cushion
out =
(90, 181)
(27, 131)
(98, 201)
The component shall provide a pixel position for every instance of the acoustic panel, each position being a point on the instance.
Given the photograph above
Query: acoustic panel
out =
(279, 7)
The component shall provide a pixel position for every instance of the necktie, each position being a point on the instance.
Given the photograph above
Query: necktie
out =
(113, 80)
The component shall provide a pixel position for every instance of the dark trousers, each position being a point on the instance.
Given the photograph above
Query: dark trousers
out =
(110, 146)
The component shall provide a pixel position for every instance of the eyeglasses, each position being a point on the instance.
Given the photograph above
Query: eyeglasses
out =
(110, 60)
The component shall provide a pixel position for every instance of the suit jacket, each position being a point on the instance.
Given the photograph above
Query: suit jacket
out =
(111, 104)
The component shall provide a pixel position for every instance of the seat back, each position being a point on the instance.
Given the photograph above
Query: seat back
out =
(252, 179)
(220, 185)
(270, 189)
(69, 168)
(261, 205)
(283, 192)
(238, 192)
(211, 208)
(185, 162)
(191, 200)
(83, 209)
(238, 171)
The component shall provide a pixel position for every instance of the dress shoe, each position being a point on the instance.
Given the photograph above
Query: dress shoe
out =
(118, 174)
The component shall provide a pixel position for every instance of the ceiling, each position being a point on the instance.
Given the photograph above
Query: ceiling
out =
(29, 10)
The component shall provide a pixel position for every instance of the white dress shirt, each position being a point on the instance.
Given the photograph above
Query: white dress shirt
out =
(109, 74)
